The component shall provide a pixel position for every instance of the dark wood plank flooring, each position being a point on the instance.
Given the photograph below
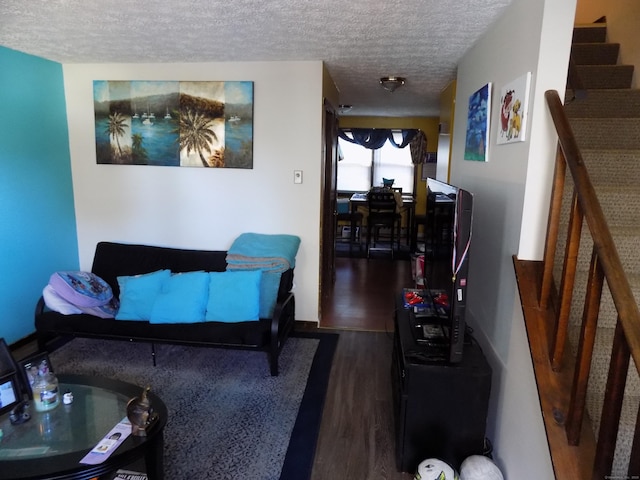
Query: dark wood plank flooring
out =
(357, 435)
(363, 296)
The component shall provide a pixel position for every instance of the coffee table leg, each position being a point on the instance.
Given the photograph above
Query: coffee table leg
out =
(154, 458)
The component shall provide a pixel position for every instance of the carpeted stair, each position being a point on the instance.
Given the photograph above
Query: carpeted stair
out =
(606, 124)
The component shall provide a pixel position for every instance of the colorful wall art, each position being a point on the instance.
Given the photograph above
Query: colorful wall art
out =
(171, 123)
(477, 140)
(514, 106)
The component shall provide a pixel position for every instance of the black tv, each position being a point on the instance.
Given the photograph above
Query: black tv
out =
(447, 241)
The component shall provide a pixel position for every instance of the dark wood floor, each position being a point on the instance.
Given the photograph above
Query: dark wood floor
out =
(363, 296)
(357, 432)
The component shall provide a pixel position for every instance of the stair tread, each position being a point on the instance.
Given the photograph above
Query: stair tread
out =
(604, 103)
(592, 32)
(621, 151)
(607, 133)
(605, 76)
(595, 53)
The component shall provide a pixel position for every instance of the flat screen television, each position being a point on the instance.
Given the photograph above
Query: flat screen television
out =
(446, 265)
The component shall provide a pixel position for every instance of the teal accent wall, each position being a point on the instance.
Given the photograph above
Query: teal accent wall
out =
(37, 219)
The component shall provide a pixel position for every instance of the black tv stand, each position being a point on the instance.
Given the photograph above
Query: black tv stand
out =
(440, 408)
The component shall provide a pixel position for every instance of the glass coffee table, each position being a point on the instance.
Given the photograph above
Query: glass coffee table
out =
(51, 444)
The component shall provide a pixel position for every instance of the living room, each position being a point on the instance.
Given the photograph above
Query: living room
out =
(57, 203)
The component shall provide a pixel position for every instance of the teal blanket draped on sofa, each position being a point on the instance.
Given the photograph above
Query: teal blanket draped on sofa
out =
(273, 254)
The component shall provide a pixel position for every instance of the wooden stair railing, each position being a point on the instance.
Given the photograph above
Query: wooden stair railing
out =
(562, 383)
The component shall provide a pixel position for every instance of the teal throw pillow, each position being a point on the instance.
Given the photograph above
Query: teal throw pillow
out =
(183, 299)
(138, 294)
(234, 296)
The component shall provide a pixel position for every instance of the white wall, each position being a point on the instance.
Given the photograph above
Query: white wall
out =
(510, 205)
(205, 208)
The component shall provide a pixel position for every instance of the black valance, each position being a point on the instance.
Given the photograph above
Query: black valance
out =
(374, 138)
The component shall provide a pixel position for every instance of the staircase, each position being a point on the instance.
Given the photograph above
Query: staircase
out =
(604, 114)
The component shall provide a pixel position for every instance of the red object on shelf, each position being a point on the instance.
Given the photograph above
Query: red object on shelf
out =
(441, 299)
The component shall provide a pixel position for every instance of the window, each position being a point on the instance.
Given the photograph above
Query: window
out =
(354, 170)
(361, 168)
(392, 162)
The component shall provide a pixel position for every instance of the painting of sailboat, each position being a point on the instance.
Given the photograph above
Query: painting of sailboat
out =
(205, 124)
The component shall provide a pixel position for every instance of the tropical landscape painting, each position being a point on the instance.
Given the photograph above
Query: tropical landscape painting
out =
(172, 123)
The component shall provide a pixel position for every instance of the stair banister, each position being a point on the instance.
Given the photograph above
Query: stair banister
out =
(621, 293)
(562, 383)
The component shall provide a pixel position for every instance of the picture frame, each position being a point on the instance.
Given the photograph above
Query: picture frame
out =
(30, 367)
(7, 363)
(478, 116)
(10, 392)
(427, 170)
(514, 110)
(174, 123)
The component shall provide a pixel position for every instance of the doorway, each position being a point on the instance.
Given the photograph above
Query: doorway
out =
(355, 293)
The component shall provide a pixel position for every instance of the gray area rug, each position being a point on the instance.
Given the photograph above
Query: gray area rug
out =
(228, 417)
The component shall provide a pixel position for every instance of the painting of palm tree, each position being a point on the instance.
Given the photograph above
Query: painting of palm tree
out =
(196, 134)
(172, 123)
(202, 131)
(116, 129)
(139, 154)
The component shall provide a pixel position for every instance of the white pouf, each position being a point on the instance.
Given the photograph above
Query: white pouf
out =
(435, 469)
(479, 467)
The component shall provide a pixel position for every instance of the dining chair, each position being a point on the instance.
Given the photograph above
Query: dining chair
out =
(383, 213)
(344, 214)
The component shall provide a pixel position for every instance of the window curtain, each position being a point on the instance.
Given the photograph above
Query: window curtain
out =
(374, 138)
(418, 148)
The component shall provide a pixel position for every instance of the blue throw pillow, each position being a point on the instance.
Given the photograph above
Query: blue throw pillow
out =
(234, 296)
(183, 299)
(138, 294)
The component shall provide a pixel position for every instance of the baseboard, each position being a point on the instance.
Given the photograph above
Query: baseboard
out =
(23, 342)
(305, 326)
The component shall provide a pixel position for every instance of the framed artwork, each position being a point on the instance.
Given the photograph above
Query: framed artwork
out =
(32, 366)
(172, 123)
(478, 115)
(514, 109)
(428, 169)
(10, 393)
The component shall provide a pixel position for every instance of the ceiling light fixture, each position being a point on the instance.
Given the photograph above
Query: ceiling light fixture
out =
(392, 83)
(344, 108)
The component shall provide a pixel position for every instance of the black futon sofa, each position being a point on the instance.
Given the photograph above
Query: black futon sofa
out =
(116, 259)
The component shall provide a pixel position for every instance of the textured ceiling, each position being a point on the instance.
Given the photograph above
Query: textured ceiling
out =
(359, 40)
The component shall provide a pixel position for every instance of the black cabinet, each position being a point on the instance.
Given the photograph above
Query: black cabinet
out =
(440, 408)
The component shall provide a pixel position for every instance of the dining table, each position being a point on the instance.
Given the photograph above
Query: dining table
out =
(359, 200)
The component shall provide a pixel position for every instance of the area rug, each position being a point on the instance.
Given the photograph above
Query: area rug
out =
(228, 417)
